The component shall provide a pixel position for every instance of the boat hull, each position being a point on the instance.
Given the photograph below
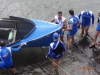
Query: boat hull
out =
(44, 41)
(41, 35)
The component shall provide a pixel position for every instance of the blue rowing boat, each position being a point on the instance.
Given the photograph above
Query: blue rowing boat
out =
(35, 33)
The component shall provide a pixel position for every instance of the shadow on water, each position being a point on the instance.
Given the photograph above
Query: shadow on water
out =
(29, 56)
(92, 54)
(84, 42)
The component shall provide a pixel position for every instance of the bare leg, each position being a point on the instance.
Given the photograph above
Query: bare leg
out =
(54, 62)
(59, 62)
(95, 37)
(68, 41)
(61, 38)
(13, 70)
(82, 32)
(86, 30)
(72, 38)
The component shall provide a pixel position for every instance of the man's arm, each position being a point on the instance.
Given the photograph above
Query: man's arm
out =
(79, 15)
(70, 22)
(79, 23)
(64, 47)
(52, 20)
(98, 21)
(92, 19)
(50, 51)
(65, 24)
(70, 28)
(92, 15)
(17, 49)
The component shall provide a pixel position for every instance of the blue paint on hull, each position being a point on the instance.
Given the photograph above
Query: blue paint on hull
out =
(40, 36)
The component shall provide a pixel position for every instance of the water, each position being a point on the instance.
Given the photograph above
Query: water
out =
(32, 61)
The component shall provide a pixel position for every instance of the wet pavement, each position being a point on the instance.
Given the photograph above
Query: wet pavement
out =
(32, 61)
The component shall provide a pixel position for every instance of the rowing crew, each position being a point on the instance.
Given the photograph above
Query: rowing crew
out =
(74, 23)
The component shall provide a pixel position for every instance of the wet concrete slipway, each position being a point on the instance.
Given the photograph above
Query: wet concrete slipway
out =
(32, 61)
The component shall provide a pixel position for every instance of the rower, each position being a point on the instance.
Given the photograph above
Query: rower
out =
(6, 56)
(60, 20)
(55, 50)
(86, 21)
(73, 27)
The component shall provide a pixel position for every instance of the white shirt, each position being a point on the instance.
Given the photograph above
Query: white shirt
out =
(60, 22)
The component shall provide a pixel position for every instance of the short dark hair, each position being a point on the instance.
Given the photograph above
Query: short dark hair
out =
(99, 13)
(2, 43)
(60, 12)
(71, 12)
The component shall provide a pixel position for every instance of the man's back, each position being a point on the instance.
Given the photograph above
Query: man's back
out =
(54, 45)
(74, 21)
(6, 57)
(86, 17)
(58, 49)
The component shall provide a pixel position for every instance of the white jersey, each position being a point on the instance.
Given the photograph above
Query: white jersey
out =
(59, 22)
(51, 45)
(89, 12)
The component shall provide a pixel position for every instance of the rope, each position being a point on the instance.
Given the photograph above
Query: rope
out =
(55, 63)
(59, 66)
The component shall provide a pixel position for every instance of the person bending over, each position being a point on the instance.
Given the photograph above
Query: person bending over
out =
(6, 56)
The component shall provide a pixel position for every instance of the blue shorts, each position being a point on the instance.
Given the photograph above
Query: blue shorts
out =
(70, 33)
(56, 57)
(60, 32)
(85, 25)
(98, 27)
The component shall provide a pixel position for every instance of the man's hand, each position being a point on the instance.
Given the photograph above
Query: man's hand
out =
(92, 25)
(22, 44)
(78, 26)
(64, 27)
(46, 57)
(63, 30)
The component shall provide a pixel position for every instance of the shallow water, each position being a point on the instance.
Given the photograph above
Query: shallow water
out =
(32, 61)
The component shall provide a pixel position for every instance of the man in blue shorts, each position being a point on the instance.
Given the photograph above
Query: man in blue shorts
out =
(73, 27)
(86, 20)
(6, 56)
(60, 20)
(55, 50)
